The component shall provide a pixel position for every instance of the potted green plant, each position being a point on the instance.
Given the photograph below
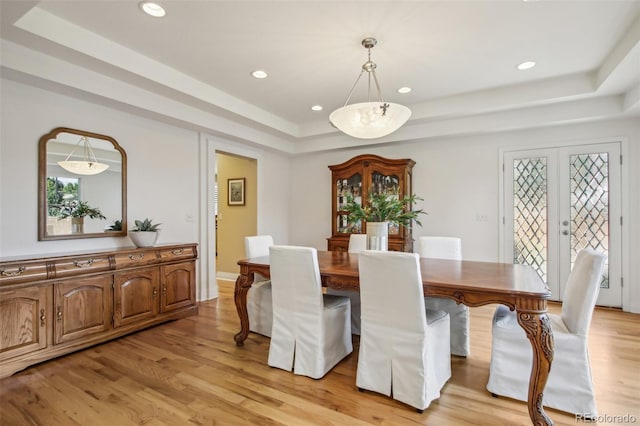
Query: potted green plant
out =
(380, 210)
(77, 211)
(145, 233)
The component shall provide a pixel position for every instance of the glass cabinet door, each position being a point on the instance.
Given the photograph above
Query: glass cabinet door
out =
(345, 187)
(386, 184)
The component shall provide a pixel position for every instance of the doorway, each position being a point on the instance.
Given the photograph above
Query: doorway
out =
(558, 201)
(235, 214)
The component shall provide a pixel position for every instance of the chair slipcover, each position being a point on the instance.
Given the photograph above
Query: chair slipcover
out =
(311, 331)
(448, 248)
(569, 386)
(404, 349)
(357, 243)
(259, 305)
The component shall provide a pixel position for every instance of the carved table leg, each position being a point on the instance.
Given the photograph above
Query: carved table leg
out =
(540, 334)
(243, 284)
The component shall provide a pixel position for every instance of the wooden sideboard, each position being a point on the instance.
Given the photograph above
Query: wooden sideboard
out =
(54, 305)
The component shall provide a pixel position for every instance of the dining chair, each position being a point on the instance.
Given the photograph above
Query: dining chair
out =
(259, 304)
(569, 386)
(448, 248)
(311, 331)
(404, 347)
(357, 243)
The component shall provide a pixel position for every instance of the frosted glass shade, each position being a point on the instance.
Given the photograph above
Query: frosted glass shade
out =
(366, 120)
(83, 167)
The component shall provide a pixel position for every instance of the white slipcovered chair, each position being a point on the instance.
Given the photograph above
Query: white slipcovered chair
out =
(357, 243)
(311, 331)
(448, 248)
(404, 348)
(259, 305)
(569, 386)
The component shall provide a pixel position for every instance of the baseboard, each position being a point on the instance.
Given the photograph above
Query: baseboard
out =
(226, 276)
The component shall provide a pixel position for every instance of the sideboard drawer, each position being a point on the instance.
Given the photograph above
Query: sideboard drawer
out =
(135, 258)
(81, 265)
(184, 252)
(17, 272)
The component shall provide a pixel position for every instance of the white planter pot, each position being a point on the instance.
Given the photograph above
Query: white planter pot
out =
(143, 238)
(377, 236)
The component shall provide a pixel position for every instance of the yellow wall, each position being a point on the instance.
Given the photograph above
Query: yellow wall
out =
(235, 222)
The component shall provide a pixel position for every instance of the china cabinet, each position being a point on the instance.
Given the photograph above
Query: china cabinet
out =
(54, 305)
(357, 178)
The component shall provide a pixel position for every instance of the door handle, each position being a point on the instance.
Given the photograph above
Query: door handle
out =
(565, 232)
(565, 222)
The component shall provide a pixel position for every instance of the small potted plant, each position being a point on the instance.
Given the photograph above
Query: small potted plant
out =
(115, 226)
(145, 233)
(77, 211)
(380, 210)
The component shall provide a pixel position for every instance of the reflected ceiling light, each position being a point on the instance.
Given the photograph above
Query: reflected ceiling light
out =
(404, 90)
(259, 74)
(88, 165)
(152, 9)
(526, 65)
(369, 120)
(317, 108)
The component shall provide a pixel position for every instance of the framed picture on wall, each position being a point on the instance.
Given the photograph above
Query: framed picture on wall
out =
(236, 192)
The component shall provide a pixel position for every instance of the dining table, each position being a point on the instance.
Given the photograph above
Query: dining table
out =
(472, 283)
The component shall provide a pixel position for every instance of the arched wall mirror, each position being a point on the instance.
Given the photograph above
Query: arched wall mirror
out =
(82, 186)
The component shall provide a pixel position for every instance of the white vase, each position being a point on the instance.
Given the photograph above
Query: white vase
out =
(143, 238)
(377, 236)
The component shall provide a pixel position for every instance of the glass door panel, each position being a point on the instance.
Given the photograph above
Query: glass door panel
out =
(390, 185)
(348, 188)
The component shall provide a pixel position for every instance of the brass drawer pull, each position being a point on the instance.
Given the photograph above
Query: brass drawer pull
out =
(42, 318)
(59, 313)
(136, 256)
(15, 273)
(177, 251)
(83, 263)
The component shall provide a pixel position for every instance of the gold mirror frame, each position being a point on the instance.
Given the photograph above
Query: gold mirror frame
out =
(42, 187)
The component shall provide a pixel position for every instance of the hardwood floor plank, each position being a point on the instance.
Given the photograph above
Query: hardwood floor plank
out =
(190, 372)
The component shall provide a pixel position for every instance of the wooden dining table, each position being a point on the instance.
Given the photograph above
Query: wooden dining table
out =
(472, 283)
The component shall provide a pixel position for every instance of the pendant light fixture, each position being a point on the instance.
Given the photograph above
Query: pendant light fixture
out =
(88, 165)
(371, 119)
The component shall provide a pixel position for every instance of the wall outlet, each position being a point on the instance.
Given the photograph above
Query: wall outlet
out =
(482, 217)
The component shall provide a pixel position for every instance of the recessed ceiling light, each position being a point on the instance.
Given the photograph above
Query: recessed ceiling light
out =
(317, 108)
(259, 74)
(404, 90)
(152, 9)
(526, 65)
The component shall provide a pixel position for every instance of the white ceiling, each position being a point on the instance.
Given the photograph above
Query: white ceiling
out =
(459, 57)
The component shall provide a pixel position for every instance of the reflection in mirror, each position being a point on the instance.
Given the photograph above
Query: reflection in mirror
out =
(82, 186)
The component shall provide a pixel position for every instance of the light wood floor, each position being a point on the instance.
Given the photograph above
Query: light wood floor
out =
(190, 372)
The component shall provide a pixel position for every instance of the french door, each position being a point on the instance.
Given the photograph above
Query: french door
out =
(558, 201)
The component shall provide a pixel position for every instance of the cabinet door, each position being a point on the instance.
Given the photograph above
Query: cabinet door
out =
(82, 307)
(178, 286)
(386, 180)
(346, 184)
(136, 296)
(24, 316)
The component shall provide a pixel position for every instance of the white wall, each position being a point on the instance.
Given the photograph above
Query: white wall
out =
(160, 167)
(459, 178)
(166, 175)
